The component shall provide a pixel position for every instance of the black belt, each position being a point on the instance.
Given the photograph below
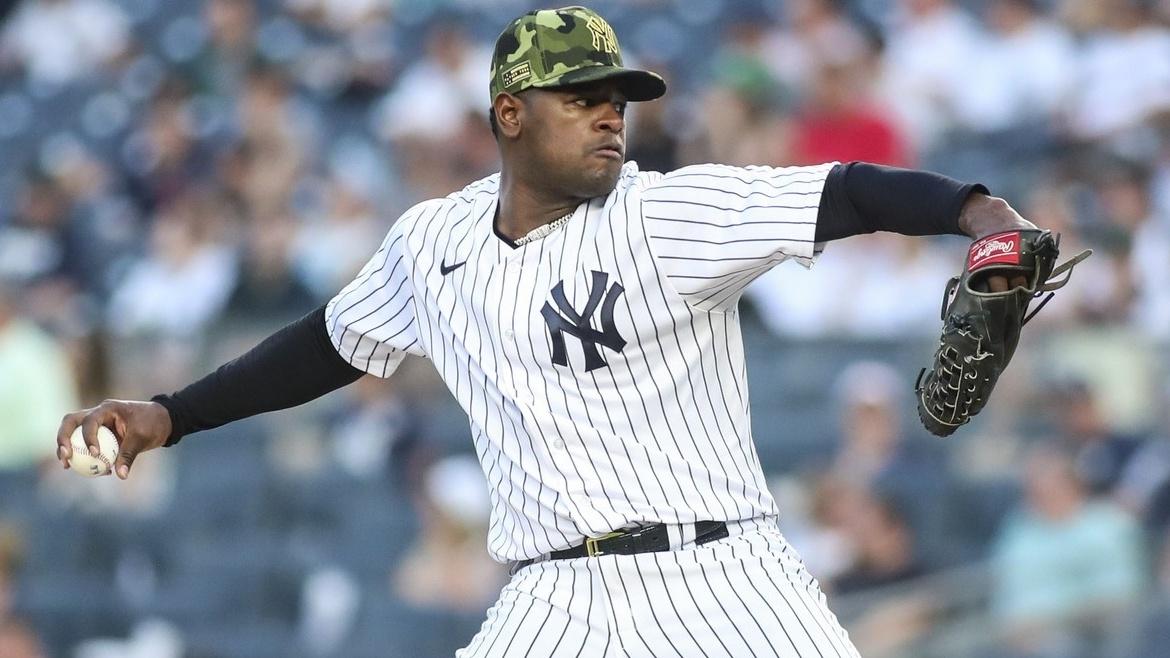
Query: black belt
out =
(647, 539)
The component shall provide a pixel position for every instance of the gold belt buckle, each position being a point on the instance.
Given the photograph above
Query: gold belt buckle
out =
(591, 548)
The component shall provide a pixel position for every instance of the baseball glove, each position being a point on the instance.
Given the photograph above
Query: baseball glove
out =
(981, 328)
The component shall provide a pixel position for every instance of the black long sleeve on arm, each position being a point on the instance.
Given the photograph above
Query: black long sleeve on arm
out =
(860, 197)
(291, 367)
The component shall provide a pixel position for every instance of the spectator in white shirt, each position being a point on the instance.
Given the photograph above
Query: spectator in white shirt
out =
(1125, 200)
(927, 62)
(814, 33)
(59, 41)
(431, 97)
(1124, 76)
(1024, 73)
(183, 257)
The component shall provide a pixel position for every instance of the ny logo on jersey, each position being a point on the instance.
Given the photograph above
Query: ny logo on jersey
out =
(578, 324)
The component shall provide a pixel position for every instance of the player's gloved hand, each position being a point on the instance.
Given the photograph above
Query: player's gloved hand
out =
(982, 319)
(139, 426)
(983, 215)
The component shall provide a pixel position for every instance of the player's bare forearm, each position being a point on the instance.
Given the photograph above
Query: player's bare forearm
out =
(984, 215)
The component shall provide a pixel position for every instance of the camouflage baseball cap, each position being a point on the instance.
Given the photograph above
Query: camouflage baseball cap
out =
(570, 45)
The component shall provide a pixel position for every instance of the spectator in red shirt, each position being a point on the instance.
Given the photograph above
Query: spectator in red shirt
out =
(838, 122)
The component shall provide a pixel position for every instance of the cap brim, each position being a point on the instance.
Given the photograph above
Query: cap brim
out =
(637, 85)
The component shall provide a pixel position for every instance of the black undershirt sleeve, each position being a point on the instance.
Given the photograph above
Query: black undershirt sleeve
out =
(862, 198)
(299, 363)
(291, 367)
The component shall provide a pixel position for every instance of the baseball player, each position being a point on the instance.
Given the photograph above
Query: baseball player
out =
(583, 313)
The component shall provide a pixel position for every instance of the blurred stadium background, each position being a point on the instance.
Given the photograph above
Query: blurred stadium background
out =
(179, 178)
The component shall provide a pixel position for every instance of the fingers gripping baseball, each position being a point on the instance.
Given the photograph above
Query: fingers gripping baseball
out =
(137, 426)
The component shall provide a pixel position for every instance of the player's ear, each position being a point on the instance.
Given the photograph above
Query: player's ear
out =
(509, 111)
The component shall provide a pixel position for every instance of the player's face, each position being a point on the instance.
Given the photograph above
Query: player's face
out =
(575, 137)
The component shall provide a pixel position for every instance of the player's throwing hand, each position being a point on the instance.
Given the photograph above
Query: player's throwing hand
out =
(138, 426)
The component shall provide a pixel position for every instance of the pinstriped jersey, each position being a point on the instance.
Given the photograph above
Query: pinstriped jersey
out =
(601, 367)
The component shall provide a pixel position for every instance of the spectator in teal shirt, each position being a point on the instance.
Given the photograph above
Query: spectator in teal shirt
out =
(1064, 564)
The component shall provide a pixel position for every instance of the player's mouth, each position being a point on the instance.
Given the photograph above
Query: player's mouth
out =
(613, 150)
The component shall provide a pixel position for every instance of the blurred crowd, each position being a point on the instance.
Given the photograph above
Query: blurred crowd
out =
(177, 178)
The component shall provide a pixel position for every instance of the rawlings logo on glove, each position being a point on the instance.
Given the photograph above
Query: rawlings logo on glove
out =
(981, 328)
(1003, 249)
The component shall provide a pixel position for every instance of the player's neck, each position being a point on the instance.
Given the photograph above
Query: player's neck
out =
(523, 208)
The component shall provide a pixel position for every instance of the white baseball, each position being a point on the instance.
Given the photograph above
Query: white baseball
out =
(84, 463)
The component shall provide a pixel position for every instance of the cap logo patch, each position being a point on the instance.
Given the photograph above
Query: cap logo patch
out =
(521, 71)
(1002, 249)
(604, 39)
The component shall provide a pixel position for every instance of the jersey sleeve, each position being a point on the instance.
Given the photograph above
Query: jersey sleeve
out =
(715, 228)
(371, 322)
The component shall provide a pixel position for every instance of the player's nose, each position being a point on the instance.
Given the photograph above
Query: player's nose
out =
(611, 119)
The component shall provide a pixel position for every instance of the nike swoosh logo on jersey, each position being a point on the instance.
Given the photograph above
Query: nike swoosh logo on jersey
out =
(446, 269)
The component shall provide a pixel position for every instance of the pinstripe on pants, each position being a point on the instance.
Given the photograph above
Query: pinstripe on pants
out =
(745, 596)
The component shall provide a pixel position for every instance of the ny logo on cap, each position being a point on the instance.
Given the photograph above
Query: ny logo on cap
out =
(604, 38)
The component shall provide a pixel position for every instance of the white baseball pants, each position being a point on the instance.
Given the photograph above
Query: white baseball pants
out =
(748, 595)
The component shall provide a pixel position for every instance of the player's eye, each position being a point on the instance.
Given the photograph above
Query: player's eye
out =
(590, 101)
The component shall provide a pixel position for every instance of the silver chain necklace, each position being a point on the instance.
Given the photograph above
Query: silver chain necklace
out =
(541, 231)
